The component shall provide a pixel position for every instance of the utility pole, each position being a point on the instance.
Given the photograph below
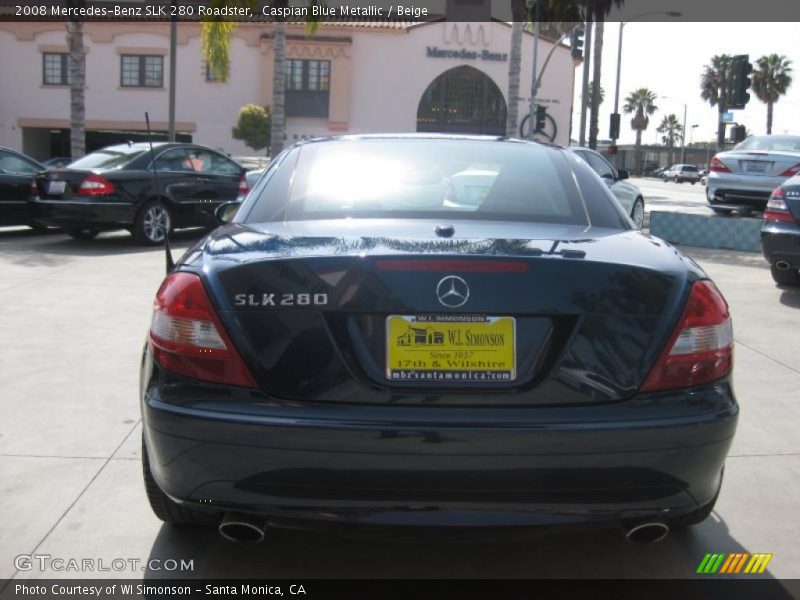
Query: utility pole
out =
(537, 30)
(587, 55)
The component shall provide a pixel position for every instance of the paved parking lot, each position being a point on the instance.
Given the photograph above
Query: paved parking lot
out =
(74, 316)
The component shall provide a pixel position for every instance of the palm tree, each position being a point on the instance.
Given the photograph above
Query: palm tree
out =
(714, 83)
(518, 13)
(593, 132)
(771, 80)
(602, 94)
(594, 95)
(76, 74)
(215, 40)
(673, 130)
(642, 103)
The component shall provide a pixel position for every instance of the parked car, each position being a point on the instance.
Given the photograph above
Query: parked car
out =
(57, 162)
(703, 176)
(780, 232)
(742, 179)
(250, 178)
(659, 172)
(115, 188)
(626, 193)
(363, 345)
(17, 172)
(681, 173)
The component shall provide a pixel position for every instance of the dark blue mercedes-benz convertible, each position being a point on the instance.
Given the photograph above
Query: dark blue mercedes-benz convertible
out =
(435, 331)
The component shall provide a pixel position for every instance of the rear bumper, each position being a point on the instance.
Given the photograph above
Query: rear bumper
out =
(654, 457)
(77, 213)
(781, 242)
(741, 191)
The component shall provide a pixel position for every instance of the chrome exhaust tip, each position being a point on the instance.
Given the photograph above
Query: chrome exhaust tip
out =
(647, 533)
(782, 265)
(237, 527)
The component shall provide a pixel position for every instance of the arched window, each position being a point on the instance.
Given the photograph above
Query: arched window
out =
(462, 100)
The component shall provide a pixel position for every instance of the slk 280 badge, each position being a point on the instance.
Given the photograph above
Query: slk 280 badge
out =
(280, 299)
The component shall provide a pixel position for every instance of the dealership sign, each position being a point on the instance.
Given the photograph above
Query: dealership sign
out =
(463, 54)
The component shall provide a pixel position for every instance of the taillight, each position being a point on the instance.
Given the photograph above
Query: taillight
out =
(34, 188)
(717, 166)
(243, 189)
(791, 171)
(187, 337)
(94, 185)
(701, 348)
(777, 209)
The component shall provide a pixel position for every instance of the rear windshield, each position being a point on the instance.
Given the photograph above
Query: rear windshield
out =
(428, 178)
(778, 143)
(108, 158)
(690, 168)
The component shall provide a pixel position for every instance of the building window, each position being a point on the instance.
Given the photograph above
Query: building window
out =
(307, 87)
(54, 68)
(142, 71)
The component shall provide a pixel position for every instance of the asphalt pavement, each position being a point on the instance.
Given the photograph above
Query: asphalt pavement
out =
(74, 318)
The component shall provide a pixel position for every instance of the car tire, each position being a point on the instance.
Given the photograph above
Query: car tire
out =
(721, 211)
(790, 277)
(637, 213)
(694, 182)
(82, 233)
(164, 507)
(677, 180)
(150, 220)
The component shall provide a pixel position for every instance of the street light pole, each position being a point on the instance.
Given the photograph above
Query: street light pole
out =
(670, 13)
(173, 75)
(683, 136)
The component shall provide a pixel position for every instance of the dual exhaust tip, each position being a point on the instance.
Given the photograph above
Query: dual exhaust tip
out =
(248, 529)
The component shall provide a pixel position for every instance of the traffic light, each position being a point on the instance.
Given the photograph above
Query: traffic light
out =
(740, 81)
(738, 133)
(541, 113)
(576, 42)
(614, 127)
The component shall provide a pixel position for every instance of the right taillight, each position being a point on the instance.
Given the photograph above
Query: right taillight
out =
(777, 209)
(701, 348)
(791, 171)
(718, 166)
(243, 189)
(187, 338)
(94, 185)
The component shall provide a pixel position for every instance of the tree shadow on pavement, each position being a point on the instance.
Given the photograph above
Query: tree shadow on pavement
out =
(287, 554)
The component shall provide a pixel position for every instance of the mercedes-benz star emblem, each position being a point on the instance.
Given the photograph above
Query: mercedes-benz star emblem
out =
(452, 291)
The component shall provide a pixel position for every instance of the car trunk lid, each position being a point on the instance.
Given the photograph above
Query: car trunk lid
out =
(572, 316)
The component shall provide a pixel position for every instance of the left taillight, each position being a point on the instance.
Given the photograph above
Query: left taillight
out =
(187, 337)
(94, 185)
(701, 347)
(243, 189)
(777, 209)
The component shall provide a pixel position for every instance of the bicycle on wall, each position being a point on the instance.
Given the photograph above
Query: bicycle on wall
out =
(543, 134)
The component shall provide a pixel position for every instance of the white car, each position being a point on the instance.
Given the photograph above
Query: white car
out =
(626, 193)
(681, 173)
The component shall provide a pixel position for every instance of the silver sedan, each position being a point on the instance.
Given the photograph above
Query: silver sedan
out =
(742, 179)
(626, 193)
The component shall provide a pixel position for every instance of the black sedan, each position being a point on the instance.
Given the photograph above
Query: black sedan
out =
(448, 331)
(117, 188)
(780, 233)
(16, 176)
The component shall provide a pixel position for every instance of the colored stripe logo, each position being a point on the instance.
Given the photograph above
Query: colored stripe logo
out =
(739, 562)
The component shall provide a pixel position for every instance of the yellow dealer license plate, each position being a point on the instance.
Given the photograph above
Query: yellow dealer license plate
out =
(450, 348)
